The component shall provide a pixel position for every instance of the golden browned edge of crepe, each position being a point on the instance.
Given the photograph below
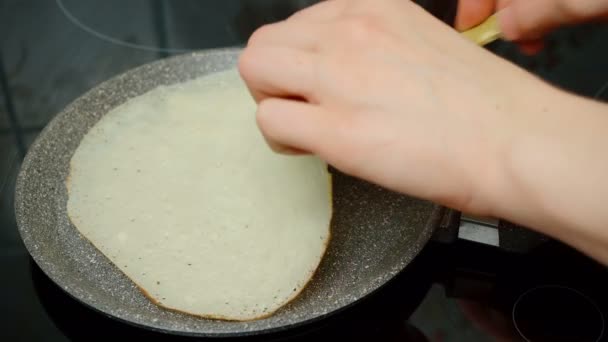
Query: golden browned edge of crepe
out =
(214, 317)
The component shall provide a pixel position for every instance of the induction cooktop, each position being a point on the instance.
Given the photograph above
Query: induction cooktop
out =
(474, 282)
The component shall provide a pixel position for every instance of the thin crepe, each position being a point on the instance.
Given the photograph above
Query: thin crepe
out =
(179, 190)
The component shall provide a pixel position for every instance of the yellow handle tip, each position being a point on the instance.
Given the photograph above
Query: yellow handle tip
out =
(484, 33)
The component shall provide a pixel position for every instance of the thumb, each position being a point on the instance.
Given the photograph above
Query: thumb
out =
(473, 12)
(531, 19)
(293, 127)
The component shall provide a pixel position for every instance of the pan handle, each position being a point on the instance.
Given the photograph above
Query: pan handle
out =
(456, 225)
(497, 233)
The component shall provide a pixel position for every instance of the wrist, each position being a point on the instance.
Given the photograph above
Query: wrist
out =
(552, 171)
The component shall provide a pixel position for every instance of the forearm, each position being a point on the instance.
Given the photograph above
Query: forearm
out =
(556, 174)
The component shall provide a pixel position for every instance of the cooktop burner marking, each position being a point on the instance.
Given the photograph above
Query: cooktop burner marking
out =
(90, 30)
(600, 93)
(539, 304)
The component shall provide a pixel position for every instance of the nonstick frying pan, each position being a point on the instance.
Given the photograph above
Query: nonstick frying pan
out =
(375, 232)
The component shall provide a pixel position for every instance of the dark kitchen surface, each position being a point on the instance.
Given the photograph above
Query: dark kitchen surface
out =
(53, 51)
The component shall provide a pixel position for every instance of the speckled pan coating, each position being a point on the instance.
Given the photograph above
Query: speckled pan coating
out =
(375, 233)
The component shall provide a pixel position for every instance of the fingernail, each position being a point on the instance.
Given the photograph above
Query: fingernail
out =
(508, 23)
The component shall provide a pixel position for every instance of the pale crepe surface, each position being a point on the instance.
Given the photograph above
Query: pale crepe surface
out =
(178, 188)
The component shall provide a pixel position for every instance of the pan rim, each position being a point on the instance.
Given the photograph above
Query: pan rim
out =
(68, 286)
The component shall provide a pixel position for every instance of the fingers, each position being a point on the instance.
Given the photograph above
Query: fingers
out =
(293, 126)
(503, 3)
(296, 34)
(473, 12)
(530, 19)
(272, 71)
(278, 60)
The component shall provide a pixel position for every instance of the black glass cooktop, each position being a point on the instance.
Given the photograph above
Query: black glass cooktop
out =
(482, 284)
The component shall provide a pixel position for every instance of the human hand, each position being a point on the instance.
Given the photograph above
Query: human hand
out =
(383, 91)
(527, 21)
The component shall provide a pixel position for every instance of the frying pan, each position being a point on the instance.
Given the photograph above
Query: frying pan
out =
(375, 232)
